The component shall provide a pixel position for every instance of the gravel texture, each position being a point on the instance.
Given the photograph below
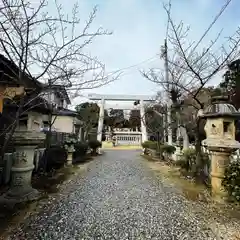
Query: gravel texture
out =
(118, 197)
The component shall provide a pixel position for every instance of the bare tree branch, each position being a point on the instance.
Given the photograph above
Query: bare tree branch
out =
(52, 48)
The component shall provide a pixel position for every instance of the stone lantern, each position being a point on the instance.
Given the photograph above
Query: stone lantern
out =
(179, 147)
(69, 146)
(220, 140)
(25, 143)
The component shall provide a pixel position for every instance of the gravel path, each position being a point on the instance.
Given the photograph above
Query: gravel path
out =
(118, 197)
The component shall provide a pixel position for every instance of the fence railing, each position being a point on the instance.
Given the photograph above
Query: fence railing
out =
(128, 139)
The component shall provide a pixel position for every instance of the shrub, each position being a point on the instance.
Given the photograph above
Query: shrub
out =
(94, 144)
(81, 148)
(69, 141)
(165, 151)
(54, 157)
(150, 144)
(168, 149)
(182, 163)
(231, 181)
(189, 159)
(80, 151)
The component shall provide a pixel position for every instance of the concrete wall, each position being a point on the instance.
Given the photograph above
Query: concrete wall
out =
(64, 124)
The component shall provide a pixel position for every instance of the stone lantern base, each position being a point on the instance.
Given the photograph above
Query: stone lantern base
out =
(70, 150)
(219, 162)
(99, 151)
(221, 150)
(178, 154)
(20, 188)
(69, 158)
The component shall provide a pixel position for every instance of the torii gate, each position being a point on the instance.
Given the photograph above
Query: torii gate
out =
(141, 98)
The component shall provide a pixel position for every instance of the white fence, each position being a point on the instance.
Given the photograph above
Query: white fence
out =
(127, 138)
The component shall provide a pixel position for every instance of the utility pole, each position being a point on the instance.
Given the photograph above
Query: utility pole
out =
(169, 119)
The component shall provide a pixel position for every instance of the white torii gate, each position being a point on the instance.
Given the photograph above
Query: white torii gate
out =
(141, 98)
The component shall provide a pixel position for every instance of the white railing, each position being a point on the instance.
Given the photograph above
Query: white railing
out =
(128, 139)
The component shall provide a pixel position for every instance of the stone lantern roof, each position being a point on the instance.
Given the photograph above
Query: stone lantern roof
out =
(220, 107)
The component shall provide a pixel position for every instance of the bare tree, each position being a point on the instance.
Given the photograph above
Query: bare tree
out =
(192, 69)
(50, 48)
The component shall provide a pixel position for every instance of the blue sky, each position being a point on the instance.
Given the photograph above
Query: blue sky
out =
(139, 28)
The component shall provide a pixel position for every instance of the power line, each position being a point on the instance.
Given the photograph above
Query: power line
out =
(134, 65)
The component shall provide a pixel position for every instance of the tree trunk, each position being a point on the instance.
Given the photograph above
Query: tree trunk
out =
(199, 162)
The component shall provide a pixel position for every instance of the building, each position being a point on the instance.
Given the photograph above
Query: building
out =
(39, 103)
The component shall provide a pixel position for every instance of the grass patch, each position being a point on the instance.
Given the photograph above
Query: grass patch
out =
(189, 188)
(194, 191)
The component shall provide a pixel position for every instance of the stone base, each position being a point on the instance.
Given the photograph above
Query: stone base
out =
(69, 159)
(12, 197)
(219, 162)
(99, 151)
(68, 165)
(221, 199)
(177, 156)
(20, 188)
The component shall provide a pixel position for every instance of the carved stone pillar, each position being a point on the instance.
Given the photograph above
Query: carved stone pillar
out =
(69, 146)
(20, 187)
(22, 173)
(220, 160)
(70, 151)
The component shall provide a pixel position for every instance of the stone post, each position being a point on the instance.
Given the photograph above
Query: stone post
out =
(143, 122)
(100, 121)
(219, 161)
(20, 188)
(69, 146)
(70, 151)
